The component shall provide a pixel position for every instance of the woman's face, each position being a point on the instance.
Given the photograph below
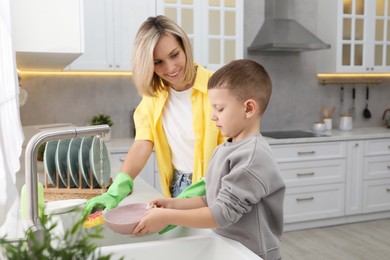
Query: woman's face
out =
(170, 61)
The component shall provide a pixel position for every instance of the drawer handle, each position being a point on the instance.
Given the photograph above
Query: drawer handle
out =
(387, 189)
(388, 167)
(122, 159)
(305, 174)
(306, 153)
(305, 199)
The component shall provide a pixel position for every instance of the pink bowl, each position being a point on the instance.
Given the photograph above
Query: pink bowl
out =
(125, 218)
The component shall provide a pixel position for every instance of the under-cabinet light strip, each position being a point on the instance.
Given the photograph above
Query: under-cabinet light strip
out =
(74, 73)
(354, 75)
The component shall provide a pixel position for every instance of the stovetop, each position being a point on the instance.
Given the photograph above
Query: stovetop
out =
(291, 134)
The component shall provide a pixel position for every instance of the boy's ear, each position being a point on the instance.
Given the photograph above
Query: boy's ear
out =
(251, 107)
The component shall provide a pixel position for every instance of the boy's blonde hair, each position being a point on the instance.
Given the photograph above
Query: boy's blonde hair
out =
(146, 80)
(245, 79)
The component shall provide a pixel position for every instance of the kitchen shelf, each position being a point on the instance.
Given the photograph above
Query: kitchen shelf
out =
(351, 78)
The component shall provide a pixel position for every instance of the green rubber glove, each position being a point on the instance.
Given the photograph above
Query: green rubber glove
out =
(118, 190)
(194, 190)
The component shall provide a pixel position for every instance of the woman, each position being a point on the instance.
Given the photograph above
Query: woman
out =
(173, 116)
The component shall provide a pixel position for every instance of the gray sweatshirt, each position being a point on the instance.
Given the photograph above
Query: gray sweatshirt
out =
(245, 193)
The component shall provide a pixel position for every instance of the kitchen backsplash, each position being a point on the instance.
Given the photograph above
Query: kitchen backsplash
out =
(75, 99)
(296, 101)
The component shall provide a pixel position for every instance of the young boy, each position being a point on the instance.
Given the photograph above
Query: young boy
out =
(244, 189)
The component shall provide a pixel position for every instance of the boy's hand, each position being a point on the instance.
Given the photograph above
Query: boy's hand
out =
(162, 203)
(154, 220)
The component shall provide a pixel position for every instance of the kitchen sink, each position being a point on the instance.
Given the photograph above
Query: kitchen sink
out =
(292, 134)
(190, 248)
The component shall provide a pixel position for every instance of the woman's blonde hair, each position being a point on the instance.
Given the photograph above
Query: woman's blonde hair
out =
(145, 79)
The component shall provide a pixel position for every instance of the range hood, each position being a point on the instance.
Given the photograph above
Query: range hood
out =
(280, 32)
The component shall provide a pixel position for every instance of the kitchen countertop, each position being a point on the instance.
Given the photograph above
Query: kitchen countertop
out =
(337, 135)
(121, 144)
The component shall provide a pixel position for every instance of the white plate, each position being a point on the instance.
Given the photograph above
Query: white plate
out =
(49, 164)
(84, 163)
(62, 206)
(73, 162)
(94, 157)
(61, 162)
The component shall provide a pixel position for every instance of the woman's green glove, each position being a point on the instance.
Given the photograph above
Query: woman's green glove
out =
(118, 190)
(194, 190)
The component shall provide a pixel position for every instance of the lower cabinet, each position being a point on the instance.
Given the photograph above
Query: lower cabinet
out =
(314, 202)
(314, 174)
(149, 173)
(376, 195)
(376, 177)
(337, 179)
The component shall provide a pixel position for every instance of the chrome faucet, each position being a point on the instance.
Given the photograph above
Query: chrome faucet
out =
(32, 221)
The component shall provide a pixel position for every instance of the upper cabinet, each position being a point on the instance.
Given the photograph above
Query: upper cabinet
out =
(215, 28)
(359, 33)
(47, 34)
(110, 29)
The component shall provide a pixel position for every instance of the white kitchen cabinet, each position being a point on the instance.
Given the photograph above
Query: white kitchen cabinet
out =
(359, 34)
(149, 173)
(314, 174)
(354, 179)
(309, 151)
(314, 202)
(376, 177)
(47, 34)
(110, 29)
(215, 28)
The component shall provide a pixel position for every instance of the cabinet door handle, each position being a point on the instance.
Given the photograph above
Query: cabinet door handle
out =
(302, 174)
(387, 189)
(388, 167)
(305, 198)
(122, 159)
(306, 153)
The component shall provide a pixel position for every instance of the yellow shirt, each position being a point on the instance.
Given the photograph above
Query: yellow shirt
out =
(148, 122)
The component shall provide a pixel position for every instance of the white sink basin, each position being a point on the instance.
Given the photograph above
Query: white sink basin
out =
(190, 248)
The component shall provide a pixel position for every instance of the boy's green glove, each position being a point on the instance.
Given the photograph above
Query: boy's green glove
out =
(194, 190)
(118, 190)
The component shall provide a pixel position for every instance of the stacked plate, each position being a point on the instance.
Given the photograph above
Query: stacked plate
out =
(77, 163)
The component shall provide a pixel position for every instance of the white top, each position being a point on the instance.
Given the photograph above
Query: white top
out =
(177, 123)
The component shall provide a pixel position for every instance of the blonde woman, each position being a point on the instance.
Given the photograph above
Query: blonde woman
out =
(173, 117)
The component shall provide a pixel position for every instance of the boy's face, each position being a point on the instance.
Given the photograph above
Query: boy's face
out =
(229, 114)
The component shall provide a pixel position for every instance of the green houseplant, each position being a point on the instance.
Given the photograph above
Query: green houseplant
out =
(76, 244)
(103, 119)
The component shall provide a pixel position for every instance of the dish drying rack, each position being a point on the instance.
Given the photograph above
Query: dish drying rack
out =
(54, 191)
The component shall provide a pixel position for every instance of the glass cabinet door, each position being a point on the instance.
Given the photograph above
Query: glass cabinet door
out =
(382, 33)
(354, 24)
(215, 28)
(223, 26)
(365, 43)
(183, 12)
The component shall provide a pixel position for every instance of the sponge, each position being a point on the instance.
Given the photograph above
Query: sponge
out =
(41, 203)
(94, 219)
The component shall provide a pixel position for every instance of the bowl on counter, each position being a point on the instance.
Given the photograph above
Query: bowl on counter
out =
(319, 126)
